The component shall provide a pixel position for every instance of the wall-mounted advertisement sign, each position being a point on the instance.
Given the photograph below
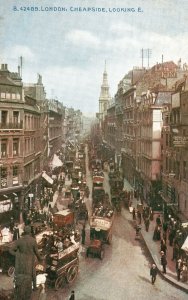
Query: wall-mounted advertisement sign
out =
(180, 141)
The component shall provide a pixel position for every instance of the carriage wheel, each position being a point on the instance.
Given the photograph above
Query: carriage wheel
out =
(59, 283)
(102, 254)
(72, 273)
(11, 271)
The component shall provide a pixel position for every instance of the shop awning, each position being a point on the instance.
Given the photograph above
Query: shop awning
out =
(185, 245)
(47, 178)
(56, 162)
(127, 186)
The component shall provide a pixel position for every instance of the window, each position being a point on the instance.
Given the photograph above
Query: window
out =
(15, 175)
(3, 95)
(4, 115)
(18, 97)
(3, 148)
(7, 95)
(15, 117)
(13, 96)
(15, 147)
(3, 176)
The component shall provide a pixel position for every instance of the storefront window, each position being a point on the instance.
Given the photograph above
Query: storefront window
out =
(5, 205)
(3, 176)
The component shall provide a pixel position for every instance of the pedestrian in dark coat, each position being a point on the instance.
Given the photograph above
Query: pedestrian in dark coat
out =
(158, 220)
(163, 246)
(171, 237)
(139, 216)
(134, 213)
(163, 262)
(153, 273)
(16, 234)
(25, 249)
(72, 296)
(83, 235)
(165, 227)
(147, 222)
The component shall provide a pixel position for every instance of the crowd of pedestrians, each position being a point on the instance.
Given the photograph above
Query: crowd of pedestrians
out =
(164, 232)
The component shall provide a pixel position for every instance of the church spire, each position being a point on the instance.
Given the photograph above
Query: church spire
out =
(104, 99)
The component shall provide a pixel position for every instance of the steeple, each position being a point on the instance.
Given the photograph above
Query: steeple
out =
(104, 98)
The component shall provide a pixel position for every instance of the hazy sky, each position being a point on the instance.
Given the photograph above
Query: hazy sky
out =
(68, 48)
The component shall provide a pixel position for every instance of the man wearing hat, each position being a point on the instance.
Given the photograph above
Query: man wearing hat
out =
(163, 262)
(179, 266)
(153, 273)
(25, 249)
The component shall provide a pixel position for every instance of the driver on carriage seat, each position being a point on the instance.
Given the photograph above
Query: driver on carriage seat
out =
(59, 245)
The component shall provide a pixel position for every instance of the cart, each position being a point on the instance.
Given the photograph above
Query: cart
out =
(63, 266)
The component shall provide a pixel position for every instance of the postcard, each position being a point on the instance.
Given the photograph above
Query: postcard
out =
(111, 73)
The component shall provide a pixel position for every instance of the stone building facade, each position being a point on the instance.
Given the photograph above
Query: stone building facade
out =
(175, 155)
(11, 141)
(28, 137)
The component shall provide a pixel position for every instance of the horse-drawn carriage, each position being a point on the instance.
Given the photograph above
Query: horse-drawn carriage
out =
(98, 192)
(100, 233)
(62, 266)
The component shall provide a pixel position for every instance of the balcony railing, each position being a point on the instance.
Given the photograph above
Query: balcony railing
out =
(11, 125)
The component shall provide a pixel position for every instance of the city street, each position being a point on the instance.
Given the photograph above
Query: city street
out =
(123, 273)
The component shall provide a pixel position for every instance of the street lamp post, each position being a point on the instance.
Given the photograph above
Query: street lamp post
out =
(25, 184)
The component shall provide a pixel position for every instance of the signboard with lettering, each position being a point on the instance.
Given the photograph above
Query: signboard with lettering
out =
(68, 250)
(180, 141)
(101, 223)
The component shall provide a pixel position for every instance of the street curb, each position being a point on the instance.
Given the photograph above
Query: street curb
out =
(184, 289)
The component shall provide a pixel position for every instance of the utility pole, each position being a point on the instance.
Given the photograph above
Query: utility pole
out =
(146, 53)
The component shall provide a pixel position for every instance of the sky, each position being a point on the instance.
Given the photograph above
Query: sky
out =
(69, 47)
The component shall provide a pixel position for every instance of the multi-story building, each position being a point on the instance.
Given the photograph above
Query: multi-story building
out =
(11, 141)
(110, 128)
(128, 150)
(55, 126)
(148, 162)
(35, 140)
(175, 154)
(153, 91)
(125, 121)
(30, 131)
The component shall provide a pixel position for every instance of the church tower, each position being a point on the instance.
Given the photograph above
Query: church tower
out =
(104, 99)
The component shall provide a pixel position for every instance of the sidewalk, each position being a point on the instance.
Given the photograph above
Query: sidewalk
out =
(154, 249)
